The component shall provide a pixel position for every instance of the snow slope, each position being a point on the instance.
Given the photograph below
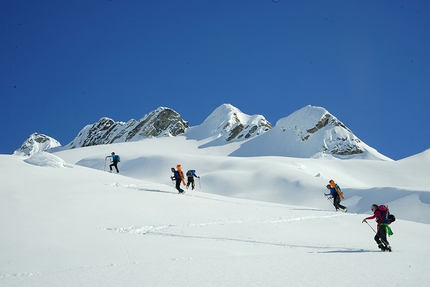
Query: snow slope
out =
(259, 221)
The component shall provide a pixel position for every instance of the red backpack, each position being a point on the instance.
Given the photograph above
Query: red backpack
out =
(386, 215)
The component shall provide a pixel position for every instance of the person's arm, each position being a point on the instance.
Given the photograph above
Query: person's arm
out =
(370, 217)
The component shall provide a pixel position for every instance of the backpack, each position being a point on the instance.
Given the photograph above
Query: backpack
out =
(388, 217)
(337, 188)
(190, 173)
(116, 158)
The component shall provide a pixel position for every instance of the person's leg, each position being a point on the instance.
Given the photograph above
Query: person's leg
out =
(383, 235)
(381, 238)
(178, 185)
(341, 206)
(336, 201)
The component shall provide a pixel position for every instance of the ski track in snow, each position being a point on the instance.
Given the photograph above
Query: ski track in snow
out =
(229, 200)
(17, 275)
(177, 231)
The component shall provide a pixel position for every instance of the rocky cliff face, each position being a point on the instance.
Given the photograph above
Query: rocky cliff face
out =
(158, 123)
(338, 140)
(35, 143)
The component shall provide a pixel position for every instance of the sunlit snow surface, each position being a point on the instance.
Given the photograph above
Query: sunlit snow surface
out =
(252, 221)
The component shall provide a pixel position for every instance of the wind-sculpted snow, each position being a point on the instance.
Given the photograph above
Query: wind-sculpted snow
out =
(45, 159)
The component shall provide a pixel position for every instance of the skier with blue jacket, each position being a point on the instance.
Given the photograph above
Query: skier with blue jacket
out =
(114, 161)
(336, 198)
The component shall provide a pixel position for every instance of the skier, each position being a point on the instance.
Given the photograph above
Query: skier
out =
(381, 233)
(336, 198)
(177, 177)
(114, 162)
(190, 178)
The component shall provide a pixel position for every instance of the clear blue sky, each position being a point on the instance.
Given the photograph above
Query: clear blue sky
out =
(66, 64)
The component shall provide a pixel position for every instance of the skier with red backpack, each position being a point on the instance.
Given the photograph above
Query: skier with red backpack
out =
(383, 219)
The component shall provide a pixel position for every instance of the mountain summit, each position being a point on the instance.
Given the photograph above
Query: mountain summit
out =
(227, 123)
(310, 132)
(36, 142)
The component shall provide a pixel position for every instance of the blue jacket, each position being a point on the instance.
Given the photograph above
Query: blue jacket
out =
(333, 192)
(176, 175)
(114, 158)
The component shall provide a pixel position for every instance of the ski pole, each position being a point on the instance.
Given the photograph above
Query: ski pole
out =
(104, 168)
(382, 240)
(371, 227)
(329, 198)
(173, 183)
(200, 185)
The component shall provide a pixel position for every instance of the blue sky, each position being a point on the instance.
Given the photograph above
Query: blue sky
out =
(66, 64)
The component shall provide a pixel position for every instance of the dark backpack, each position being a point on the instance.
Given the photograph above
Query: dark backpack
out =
(386, 215)
(190, 173)
(116, 158)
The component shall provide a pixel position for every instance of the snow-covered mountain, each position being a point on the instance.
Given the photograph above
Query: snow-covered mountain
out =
(310, 132)
(227, 124)
(160, 122)
(35, 143)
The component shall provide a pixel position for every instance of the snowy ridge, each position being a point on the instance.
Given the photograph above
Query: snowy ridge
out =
(158, 123)
(311, 132)
(228, 123)
(36, 143)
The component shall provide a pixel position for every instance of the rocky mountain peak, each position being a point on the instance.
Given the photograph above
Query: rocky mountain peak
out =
(229, 123)
(158, 123)
(35, 143)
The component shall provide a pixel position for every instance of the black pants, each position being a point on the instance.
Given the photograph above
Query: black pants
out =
(381, 236)
(190, 180)
(336, 202)
(178, 185)
(115, 164)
